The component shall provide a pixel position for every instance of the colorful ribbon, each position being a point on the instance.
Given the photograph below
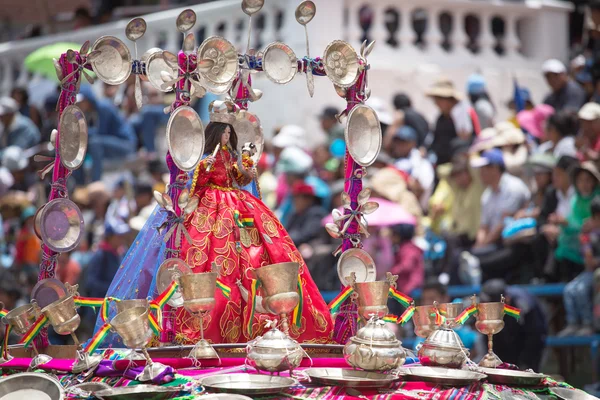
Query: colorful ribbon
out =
(35, 329)
(7, 331)
(88, 301)
(3, 312)
(466, 314)
(242, 222)
(253, 295)
(297, 314)
(512, 311)
(224, 288)
(337, 302)
(400, 297)
(407, 315)
(97, 338)
(155, 324)
(391, 318)
(166, 295)
(439, 318)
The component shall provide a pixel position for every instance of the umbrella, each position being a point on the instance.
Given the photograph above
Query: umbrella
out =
(40, 61)
(387, 214)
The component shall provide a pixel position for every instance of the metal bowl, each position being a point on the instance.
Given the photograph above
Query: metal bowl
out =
(571, 394)
(363, 135)
(279, 63)
(31, 386)
(114, 64)
(341, 63)
(512, 377)
(350, 378)
(61, 225)
(139, 392)
(185, 138)
(47, 291)
(248, 384)
(73, 139)
(359, 262)
(225, 58)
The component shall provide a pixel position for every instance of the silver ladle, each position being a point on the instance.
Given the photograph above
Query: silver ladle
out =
(186, 20)
(134, 30)
(250, 7)
(305, 12)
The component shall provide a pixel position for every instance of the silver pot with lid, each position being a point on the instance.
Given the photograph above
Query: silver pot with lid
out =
(374, 348)
(443, 348)
(274, 352)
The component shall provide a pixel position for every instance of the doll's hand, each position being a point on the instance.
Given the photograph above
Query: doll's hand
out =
(210, 160)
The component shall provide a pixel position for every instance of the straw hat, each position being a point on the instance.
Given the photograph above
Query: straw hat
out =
(444, 87)
(508, 134)
(588, 166)
(487, 139)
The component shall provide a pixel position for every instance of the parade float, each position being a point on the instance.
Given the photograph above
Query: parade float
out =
(213, 300)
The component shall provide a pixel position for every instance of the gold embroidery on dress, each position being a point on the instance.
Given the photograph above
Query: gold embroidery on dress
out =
(269, 225)
(231, 323)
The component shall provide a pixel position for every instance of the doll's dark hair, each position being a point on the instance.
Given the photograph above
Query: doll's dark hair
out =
(212, 136)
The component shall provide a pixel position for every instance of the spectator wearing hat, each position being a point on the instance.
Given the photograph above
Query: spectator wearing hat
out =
(403, 148)
(293, 165)
(565, 93)
(531, 328)
(525, 95)
(392, 185)
(480, 100)
(383, 111)
(18, 130)
(330, 124)
(533, 121)
(589, 117)
(305, 222)
(412, 117)
(289, 136)
(561, 129)
(454, 120)
(511, 141)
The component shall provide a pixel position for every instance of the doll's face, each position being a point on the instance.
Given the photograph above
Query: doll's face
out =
(225, 136)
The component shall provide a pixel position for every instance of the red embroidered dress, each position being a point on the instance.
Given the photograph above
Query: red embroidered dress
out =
(218, 237)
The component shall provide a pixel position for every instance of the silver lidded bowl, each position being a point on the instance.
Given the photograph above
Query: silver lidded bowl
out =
(443, 348)
(374, 348)
(274, 352)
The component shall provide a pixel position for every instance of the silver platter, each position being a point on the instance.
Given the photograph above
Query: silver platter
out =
(248, 129)
(61, 225)
(114, 64)
(214, 88)
(155, 64)
(363, 135)
(138, 392)
(225, 58)
(73, 139)
(443, 376)
(30, 386)
(350, 378)
(511, 377)
(359, 262)
(279, 63)
(47, 291)
(340, 61)
(185, 138)
(170, 270)
(247, 384)
(571, 394)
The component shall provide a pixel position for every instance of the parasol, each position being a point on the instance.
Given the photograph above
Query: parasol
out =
(387, 214)
(40, 60)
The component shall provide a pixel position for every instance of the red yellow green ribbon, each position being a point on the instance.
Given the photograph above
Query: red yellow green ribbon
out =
(97, 338)
(297, 314)
(400, 297)
(466, 314)
(242, 222)
(224, 288)
(253, 295)
(439, 318)
(88, 301)
(155, 325)
(3, 312)
(337, 302)
(407, 315)
(33, 331)
(391, 318)
(165, 296)
(512, 311)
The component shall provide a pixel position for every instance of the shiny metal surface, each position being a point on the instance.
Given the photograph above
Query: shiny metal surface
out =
(62, 314)
(278, 278)
(372, 298)
(37, 222)
(215, 88)
(248, 384)
(363, 135)
(512, 377)
(20, 318)
(47, 291)
(198, 291)
(89, 387)
(139, 392)
(30, 386)
(132, 303)
(185, 138)
(349, 378)
(305, 12)
(250, 7)
(248, 129)
(571, 394)
(225, 58)
(61, 225)
(279, 63)
(133, 327)
(186, 20)
(203, 350)
(274, 352)
(73, 137)
(135, 29)
(489, 318)
(450, 311)
(374, 348)
(341, 63)
(443, 348)
(170, 270)
(155, 64)
(443, 376)
(359, 262)
(424, 321)
(113, 66)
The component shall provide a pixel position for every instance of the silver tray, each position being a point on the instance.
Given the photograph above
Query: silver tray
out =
(47, 291)
(185, 138)
(279, 63)
(73, 140)
(512, 377)
(444, 376)
(359, 262)
(114, 64)
(363, 135)
(349, 378)
(247, 384)
(139, 392)
(169, 270)
(30, 386)
(571, 394)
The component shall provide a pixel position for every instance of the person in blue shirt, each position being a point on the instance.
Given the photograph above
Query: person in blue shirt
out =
(110, 135)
